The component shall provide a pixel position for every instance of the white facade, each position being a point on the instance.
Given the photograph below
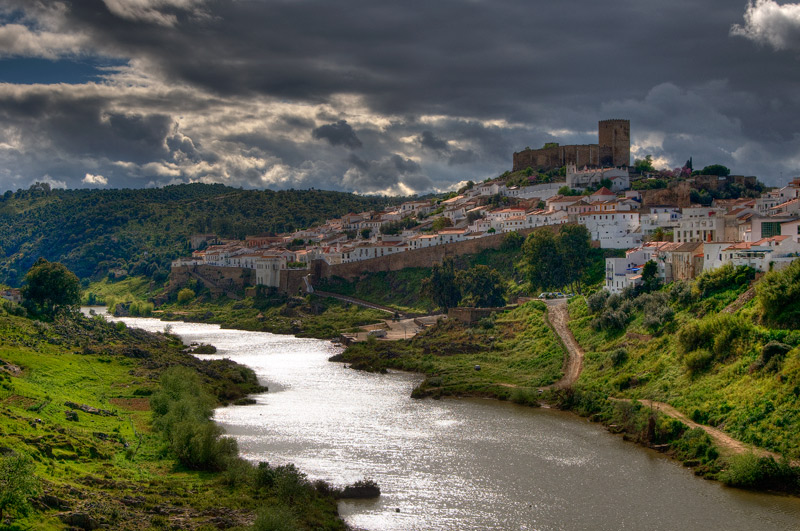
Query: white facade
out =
(614, 230)
(580, 179)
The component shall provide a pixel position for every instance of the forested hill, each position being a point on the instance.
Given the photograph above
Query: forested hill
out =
(142, 230)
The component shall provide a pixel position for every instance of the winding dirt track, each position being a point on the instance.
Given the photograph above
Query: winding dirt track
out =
(558, 316)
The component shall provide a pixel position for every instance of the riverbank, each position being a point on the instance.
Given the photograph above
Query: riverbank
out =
(75, 400)
(629, 415)
(310, 316)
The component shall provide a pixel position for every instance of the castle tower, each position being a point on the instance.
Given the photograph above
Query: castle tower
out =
(615, 142)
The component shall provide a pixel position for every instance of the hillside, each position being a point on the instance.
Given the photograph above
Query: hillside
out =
(710, 351)
(115, 424)
(141, 231)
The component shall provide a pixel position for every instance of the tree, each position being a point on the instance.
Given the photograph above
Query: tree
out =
(716, 169)
(644, 165)
(51, 287)
(441, 287)
(440, 223)
(543, 260)
(185, 295)
(650, 280)
(574, 245)
(365, 233)
(18, 484)
(481, 287)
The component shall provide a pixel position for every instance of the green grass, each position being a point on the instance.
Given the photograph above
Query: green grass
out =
(95, 463)
(311, 316)
(757, 405)
(516, 350)
(107, 293)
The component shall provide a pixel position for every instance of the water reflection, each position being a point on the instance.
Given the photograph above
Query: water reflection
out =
(460, 464)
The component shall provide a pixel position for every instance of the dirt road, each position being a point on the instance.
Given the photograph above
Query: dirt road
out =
(558, 316)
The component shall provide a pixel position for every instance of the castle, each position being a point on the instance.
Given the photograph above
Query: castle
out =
(613, 149)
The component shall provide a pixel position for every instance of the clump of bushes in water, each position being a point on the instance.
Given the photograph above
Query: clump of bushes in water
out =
(749, 471)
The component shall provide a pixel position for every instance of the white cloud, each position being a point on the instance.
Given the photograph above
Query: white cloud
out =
(767, 22)
(54, 183)
(150, 10)
(95, 179)
(19, 40)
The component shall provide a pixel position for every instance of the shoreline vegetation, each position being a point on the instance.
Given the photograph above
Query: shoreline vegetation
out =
(112, 426)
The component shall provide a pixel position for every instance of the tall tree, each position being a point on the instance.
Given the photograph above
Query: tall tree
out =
(442, 287)
(543, 260)
(50, 287)
(574, 244)
(482, 287)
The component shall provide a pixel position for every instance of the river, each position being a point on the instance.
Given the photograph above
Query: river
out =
(460, 464)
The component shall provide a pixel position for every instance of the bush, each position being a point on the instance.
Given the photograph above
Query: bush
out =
(185, 295)
(726, 335)
(723, 278)
(771, 356)
(597, 301)
(698, 360)
(618, 357)
(182, 413)
(748, 471)
(681, 293)
(779, 295)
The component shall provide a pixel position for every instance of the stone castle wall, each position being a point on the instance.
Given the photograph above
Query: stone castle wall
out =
(613, 149)
(291, 280)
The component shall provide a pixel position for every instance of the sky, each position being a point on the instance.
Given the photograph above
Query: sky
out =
(385, 97)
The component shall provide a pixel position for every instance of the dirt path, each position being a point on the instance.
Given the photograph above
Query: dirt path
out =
(727, 444)
(558, 316)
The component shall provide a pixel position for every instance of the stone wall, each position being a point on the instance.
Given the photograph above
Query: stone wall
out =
(216, 279)
(426, 257)
(555, 157)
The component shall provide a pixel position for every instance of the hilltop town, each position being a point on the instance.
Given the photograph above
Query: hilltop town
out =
(648, 217)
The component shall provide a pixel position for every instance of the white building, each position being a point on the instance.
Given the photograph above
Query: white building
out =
(614, 230)
(580, 179)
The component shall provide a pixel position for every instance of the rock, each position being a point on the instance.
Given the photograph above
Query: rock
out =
(48, 501)
(80, 520)
(71, 415)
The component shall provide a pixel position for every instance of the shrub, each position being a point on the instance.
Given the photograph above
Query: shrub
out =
(779, 296)
(18, 484)
(748, 471)
(618, 357)
(680, 292)
(185, 295)
(771, 356)
(597, 301)
(698, 360)
(525, 397)
(723, 278)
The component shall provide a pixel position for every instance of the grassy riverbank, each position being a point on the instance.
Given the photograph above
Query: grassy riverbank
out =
(75, 400)
(516, 352)
(732, 369)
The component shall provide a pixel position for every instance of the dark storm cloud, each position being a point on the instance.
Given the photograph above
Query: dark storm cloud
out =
(431, 141)
(338, 134)
(453, 86)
